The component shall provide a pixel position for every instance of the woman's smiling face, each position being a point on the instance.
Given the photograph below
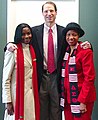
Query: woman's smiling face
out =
(72, 37)
(26, 35)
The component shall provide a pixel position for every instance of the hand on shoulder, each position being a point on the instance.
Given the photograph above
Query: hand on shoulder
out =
(11, 47)
(85, 45)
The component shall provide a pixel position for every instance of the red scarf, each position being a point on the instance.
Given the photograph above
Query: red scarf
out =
(19, 107)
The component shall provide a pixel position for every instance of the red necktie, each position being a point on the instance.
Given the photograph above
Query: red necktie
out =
(51, 60)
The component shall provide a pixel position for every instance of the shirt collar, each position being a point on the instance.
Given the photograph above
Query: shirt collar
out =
(46, 28)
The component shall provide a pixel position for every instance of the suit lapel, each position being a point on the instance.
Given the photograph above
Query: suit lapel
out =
(28, 61)
(59, 41)
(39, 35)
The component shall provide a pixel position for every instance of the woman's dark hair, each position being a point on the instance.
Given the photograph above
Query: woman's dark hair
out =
(49, 2)
(18, 32)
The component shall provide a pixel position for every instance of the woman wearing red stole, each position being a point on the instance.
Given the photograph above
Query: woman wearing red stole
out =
(78, 75)
(20, 90)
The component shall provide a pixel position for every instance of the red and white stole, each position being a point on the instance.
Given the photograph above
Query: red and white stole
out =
(73, 81)
(19, 106)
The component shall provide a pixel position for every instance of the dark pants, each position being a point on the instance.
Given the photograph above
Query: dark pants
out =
(49, 98)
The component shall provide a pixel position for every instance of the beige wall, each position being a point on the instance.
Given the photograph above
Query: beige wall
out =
(30, 12)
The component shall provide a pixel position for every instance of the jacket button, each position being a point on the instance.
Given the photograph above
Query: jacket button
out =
(30, 87)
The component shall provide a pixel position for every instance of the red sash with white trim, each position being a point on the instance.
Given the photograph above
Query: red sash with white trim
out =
(73, 80)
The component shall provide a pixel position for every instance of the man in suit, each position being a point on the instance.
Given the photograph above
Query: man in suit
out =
(48, 83)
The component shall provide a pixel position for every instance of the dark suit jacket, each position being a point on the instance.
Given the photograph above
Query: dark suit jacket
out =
(38, 46)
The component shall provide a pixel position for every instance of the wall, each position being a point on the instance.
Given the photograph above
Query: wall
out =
(89, 21)
(16, 15)
(3, 16)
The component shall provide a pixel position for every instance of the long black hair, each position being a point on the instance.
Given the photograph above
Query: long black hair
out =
(18, 32)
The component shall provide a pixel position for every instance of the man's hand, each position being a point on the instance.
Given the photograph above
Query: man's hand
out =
(83, 108)
(85, 45)
(11, 47)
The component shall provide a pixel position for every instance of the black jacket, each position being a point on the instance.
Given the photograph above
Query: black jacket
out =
(37, 43)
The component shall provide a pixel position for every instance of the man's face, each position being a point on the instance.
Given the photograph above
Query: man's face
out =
(49, 13)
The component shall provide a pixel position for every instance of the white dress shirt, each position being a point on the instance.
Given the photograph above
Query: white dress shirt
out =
(45, 42)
